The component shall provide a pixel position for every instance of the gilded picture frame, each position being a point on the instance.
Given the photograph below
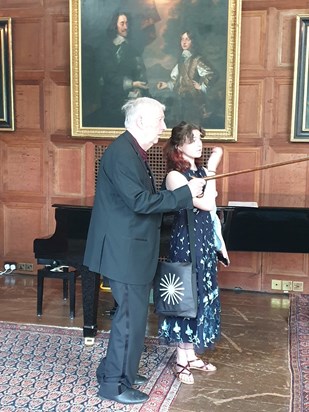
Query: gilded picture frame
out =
(6, 75)
(154, 35)
(300, 102)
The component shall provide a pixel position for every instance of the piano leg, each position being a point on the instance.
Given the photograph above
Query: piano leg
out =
(90, 291)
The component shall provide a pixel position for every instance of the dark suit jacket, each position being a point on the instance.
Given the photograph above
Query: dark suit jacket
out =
(124, 232)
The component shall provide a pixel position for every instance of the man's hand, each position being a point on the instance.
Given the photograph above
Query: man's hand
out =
(140, 85)
(196, 85)
(196, 186)
(161, 85)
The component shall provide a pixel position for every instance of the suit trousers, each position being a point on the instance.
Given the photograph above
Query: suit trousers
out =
(118, 370)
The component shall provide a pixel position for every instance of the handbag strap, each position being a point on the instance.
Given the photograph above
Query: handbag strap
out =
(190, 218)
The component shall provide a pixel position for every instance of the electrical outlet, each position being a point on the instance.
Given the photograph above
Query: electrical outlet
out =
(276, 284)
(287, 285)
(26, 267)
(11, 264)
(298, 286)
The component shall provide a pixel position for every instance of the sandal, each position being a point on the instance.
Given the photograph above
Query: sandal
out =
(205, 367)
(184, 375)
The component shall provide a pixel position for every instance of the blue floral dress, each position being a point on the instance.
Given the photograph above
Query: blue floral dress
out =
(204, 330)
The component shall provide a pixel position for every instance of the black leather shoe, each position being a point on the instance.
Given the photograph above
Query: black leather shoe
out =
(140, 380)
(129, 396)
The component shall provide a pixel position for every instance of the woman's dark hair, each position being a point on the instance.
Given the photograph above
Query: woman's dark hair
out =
(181, 134)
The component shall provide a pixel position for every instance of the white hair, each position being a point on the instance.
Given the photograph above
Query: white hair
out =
(135, 107)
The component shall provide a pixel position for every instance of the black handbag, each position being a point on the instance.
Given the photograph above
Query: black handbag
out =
(175, 287)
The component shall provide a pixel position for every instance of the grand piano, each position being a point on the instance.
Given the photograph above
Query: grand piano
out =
(262, 229)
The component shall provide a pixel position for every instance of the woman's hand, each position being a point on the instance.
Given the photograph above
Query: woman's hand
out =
(226, 260)
(214, 159)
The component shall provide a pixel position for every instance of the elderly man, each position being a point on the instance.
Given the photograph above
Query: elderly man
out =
(124, 238)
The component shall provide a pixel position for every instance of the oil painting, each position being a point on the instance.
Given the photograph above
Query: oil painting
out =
(184, 53)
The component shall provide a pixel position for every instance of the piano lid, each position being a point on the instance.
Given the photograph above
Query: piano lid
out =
(266, 229)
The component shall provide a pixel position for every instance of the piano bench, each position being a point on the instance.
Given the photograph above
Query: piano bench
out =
(68, 277)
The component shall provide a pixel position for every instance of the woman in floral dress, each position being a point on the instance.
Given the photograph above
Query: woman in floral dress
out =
(193, 336)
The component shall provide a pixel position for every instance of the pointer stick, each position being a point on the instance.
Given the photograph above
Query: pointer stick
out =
(267, 166)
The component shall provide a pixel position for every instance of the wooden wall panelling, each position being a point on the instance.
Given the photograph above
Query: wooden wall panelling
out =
(2, 234)
(253, 31)
(67, 180)
(285, 266)
(28, 34)
(285, 37)
(252, 80)
(267, 120)
(89, 170)
(244, 187)
(60, 122)
(22, 169)
(2, 146)
(276, 4)
(286, 185)
(251, 109)
(58, 63)
(59, 7)
(20, 5)
(23, 178)
(22, 222)
(244, 272)
(281, 29)
(60, 43)
(67, 177)
(282, 109)
(29, 106)
(24, 193)
(245, 269)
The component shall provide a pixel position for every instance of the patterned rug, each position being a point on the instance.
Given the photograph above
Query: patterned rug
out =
(299, 352)
(46, 368)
